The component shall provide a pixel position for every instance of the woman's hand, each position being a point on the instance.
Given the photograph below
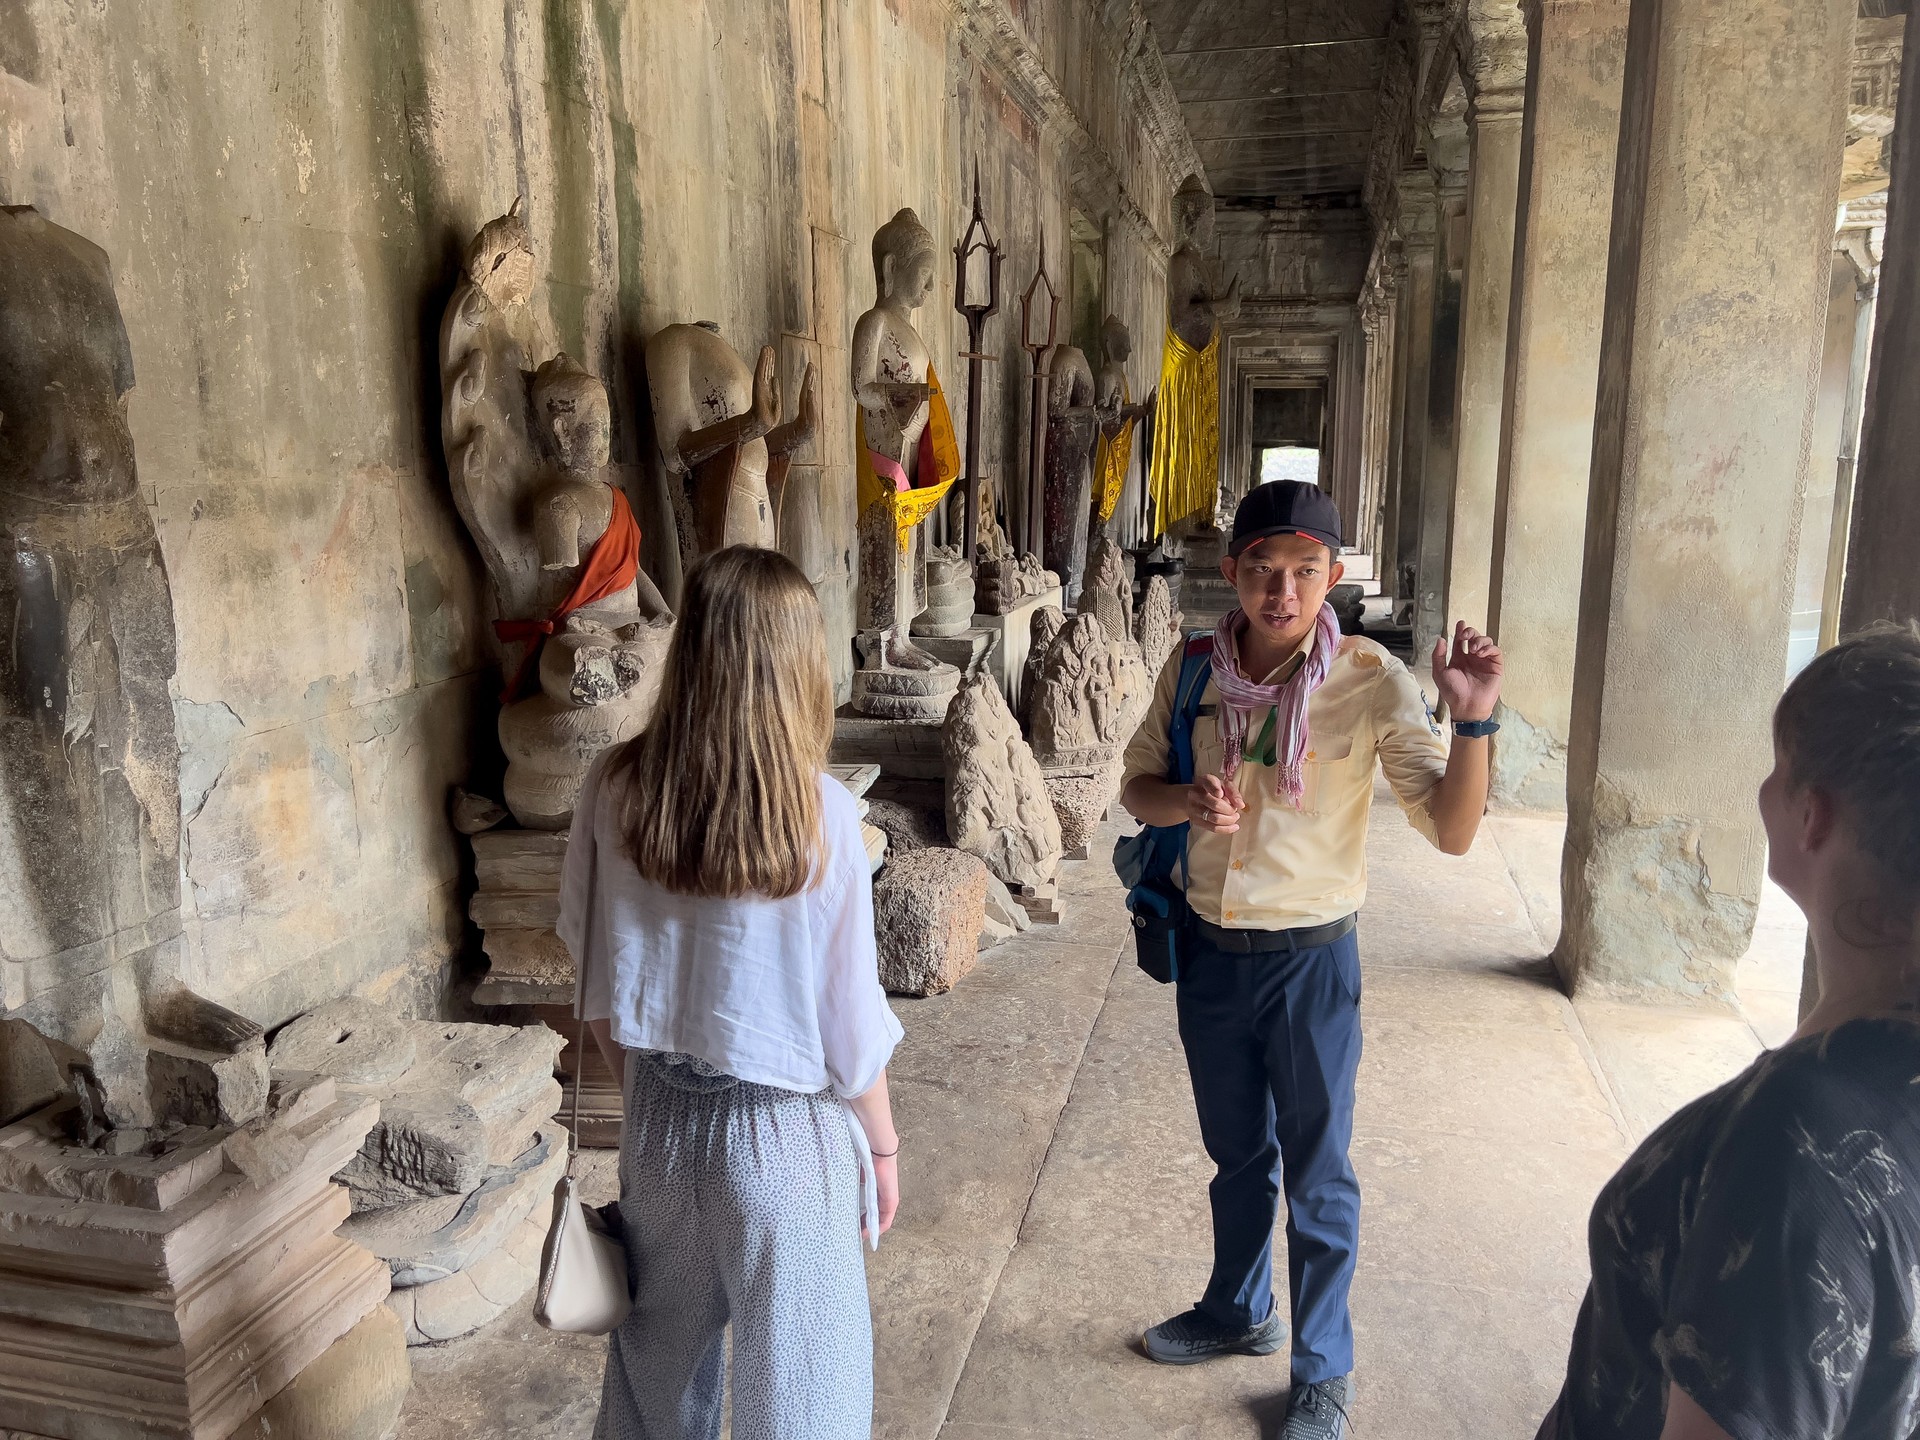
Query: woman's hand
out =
(886, 1180)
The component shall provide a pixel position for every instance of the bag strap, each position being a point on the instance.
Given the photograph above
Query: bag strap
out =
(579, 1083)
(1195, 667)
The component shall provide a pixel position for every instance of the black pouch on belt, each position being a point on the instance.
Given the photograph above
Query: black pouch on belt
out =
(1159, 910)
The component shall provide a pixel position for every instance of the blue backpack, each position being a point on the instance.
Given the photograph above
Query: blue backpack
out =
(1145, 862)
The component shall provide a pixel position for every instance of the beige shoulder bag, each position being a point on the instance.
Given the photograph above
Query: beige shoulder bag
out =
(584, 1289)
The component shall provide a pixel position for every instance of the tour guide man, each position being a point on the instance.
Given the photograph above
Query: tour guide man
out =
(1285, 731)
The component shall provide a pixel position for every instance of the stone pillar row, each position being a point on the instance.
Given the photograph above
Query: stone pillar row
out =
(1597, 447)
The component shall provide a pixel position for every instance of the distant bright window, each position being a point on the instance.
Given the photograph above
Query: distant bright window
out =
(1290, 462)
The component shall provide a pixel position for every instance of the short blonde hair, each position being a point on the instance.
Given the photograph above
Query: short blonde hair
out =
(722, 790)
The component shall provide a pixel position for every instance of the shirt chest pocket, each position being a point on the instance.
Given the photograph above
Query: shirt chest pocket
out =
(1328, 772)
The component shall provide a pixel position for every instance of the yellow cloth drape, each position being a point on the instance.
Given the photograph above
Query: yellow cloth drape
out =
(935, 467)
(1185, 475)
(1110, 463)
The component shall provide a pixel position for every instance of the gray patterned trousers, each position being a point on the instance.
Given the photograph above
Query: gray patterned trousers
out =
(741, 1205)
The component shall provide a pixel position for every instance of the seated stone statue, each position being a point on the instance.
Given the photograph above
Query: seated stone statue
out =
(583, 629)
(720, 436)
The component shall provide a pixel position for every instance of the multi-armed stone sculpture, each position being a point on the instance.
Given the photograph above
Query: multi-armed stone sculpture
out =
(720, 436)
(584, 629)
(997, 806)
(907, 460)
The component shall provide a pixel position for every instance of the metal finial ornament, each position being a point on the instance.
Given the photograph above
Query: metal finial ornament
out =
(976, 238)
(1041, 352)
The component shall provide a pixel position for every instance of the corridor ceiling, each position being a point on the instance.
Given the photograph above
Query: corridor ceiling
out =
(1279, 95)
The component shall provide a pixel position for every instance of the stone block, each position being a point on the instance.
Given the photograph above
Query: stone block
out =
(423, 1145)
(206, 1087)
(928, 910)
(1080, 801)
(463, 1302)
(429, 1240)
(903, 749)
(519, 859)
(355, 1041)
(908, 827)
(354, 1391)
(121, 1321)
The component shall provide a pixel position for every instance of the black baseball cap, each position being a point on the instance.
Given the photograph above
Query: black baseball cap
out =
(1285, 507)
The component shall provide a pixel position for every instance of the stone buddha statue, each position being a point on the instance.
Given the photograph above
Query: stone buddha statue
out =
(1195, 302)
(907, 461)
(720, 436)
(583, 629)
(1184, 477)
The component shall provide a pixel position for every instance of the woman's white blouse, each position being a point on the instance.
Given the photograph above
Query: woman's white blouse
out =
(776, 992)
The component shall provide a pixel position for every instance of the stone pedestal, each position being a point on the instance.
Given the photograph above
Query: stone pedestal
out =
(907, 695)
(1732, 121)
(902, 749)
(515, 906)
(1012, 635)
(1493, 126)
(1553, 362)
(964, 649)
(173, 1296)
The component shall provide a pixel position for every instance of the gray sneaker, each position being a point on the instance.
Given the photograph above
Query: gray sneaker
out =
(1320, 1411)
(1189, 1338)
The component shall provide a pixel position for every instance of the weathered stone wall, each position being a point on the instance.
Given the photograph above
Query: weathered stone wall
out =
(284, 191)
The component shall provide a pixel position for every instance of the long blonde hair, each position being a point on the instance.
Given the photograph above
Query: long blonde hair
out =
(722, 792)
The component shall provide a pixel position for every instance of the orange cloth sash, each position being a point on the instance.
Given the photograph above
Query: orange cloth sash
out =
(611, 566)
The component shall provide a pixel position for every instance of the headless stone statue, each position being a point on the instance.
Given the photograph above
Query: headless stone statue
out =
(719, 435)
(1185, 474)
(89, 764)
(1072, 421)
(901, 479)
(583, 628)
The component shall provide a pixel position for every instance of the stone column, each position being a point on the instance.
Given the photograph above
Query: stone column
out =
(1417, 226)
(1376, 319)
(1883, 581)
(1443, 386)
(1732, 122)
(1576, 50)
(1345, 426)
(1493, 128)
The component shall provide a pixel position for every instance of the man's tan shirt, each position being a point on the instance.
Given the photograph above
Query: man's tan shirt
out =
(1286, 868)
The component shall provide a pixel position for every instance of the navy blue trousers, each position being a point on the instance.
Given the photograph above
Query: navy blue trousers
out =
(1273, 1046)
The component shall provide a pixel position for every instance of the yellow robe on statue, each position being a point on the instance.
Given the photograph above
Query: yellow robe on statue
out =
(1110, 463)
(1185, 475)
(880, 480)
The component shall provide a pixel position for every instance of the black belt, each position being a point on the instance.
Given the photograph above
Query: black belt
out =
(1265, 942)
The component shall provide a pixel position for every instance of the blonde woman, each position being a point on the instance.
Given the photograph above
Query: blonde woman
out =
(717, 901)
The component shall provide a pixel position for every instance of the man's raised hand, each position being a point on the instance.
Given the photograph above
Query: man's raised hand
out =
(1214, 804)
(1469, 679)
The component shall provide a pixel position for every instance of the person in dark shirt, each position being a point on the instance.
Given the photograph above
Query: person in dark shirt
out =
(1756, 1263)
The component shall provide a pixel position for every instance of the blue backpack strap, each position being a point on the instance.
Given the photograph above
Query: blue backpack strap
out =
(1196, 664)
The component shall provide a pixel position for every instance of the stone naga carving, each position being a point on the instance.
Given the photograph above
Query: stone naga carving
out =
(949, 609)
(720, 436)
(1091, 693)
(907, 461)
(90, 944)
(997, 804)
(554, 529)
